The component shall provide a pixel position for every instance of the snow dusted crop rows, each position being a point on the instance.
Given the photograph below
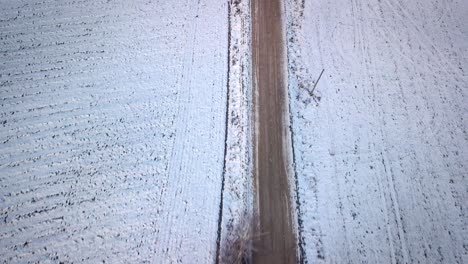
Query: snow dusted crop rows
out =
(381, 151)
(112, 124)
(113, 118)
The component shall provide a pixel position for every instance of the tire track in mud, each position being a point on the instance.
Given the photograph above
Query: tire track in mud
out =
(277, 241)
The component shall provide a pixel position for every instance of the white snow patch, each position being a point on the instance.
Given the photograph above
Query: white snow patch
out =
(238, 191)
(111, 130)
(381, 148)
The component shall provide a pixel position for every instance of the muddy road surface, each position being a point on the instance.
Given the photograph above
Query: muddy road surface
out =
(276, 242)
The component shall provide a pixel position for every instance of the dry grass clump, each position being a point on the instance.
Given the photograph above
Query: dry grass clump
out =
(239, 245)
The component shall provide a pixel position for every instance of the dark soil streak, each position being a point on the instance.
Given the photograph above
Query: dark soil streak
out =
(300, 237)
(221, 203)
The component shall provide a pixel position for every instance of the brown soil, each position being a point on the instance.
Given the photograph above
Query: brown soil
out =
(277, 241)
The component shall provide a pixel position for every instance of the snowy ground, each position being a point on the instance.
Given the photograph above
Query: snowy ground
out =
(112, 124)
(113, 118)
(237, 193)
(381, 157)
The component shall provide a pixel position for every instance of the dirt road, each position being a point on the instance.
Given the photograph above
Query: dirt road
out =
(277, 242)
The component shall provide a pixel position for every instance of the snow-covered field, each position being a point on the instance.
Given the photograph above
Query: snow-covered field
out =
(113, 119)
(382, 156)
(112, 130)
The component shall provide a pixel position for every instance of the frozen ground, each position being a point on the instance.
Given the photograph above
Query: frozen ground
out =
(113, 118)
(112, 124)
(382, 155)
